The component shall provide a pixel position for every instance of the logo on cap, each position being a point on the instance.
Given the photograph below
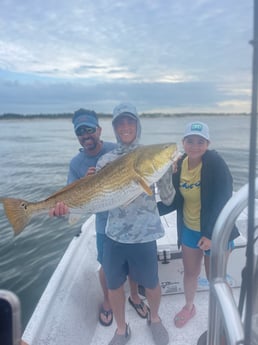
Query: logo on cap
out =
(196, 127)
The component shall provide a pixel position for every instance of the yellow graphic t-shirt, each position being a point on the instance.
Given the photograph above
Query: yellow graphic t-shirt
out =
(190, 189)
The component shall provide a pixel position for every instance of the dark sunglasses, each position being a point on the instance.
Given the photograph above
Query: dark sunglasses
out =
(83, 130)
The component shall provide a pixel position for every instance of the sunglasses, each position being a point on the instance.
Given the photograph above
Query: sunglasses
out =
(83, 130)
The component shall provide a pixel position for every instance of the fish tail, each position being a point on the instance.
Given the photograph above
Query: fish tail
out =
(17, 213)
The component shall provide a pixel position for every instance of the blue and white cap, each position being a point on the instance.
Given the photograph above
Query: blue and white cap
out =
(197, 128)
(85, 117)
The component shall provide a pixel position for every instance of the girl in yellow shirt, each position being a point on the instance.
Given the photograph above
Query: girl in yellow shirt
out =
(203, 185)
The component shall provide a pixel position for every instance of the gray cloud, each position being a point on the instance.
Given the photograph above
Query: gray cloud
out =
(143, 50)
(67, 97)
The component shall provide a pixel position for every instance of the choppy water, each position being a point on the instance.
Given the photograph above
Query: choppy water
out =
(34, 158)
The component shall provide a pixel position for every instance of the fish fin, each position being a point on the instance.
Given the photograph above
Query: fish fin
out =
(69, 186)
(74, 218)
(17, 213)
(144, 185)
(76, 214)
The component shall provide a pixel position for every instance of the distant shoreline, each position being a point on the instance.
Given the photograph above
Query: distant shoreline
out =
(11, 116)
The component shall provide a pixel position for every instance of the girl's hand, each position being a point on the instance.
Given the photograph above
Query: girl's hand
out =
(204, 243)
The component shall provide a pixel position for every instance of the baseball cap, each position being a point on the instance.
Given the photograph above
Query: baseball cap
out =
(84, 117)
(197, 128)
(125, 109)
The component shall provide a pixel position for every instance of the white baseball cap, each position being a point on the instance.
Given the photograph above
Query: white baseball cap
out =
(125, 108)
(197, 128)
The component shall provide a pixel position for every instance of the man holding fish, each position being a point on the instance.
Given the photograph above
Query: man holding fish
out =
(88, 132)
(131, 234)
(132, 231)
(124, 186)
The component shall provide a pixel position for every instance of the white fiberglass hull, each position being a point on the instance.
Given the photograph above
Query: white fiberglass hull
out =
(67, 312)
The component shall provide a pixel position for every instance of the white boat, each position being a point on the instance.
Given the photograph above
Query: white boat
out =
(67, 312)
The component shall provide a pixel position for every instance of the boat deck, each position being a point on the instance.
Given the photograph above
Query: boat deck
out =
(170, 305)
(67, 312)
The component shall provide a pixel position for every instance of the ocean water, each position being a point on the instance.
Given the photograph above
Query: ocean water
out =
(34, 159)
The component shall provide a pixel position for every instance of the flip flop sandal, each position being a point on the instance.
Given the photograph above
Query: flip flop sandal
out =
(184, 316)
(139, 308)
(106, 314)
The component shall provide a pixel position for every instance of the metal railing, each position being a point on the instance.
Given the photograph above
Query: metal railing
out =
(224, 316)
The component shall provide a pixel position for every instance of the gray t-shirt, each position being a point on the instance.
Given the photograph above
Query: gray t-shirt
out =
(79, 165)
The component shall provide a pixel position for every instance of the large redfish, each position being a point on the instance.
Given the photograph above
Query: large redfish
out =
(117, 184)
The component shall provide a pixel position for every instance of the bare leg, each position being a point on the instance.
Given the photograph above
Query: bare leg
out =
(134, 299)
(134, 291)
(192, 260)
(102, 279)
(117, 300)
(153, 297)
(105, 312)
(159, 332)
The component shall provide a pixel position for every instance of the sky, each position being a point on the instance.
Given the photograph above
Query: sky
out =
(169, 56)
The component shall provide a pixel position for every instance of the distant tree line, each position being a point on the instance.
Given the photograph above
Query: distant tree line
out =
(13, 116)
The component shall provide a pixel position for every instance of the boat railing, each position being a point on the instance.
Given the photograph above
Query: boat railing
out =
(224, 316)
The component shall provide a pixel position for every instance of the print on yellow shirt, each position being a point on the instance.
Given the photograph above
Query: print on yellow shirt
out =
(190, 188)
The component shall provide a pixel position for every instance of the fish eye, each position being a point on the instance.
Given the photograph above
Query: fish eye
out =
(24, 205)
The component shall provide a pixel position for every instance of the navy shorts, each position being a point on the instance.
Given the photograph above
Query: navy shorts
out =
(139, 260)
(100, 239)
(190, 238)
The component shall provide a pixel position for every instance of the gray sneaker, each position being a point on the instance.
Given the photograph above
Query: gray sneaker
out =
(121, 339)
(159, 332)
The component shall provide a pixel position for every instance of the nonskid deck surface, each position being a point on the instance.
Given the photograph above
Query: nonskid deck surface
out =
(170, 305)
(67, 312)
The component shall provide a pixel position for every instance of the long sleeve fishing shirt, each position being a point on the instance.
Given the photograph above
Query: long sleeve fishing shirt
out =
(137, 222)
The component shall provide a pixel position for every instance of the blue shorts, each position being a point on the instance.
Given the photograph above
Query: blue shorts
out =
(190, 238)
(139, 260)
(100, 239)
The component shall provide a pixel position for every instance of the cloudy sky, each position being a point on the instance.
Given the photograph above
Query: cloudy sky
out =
(162, 55)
